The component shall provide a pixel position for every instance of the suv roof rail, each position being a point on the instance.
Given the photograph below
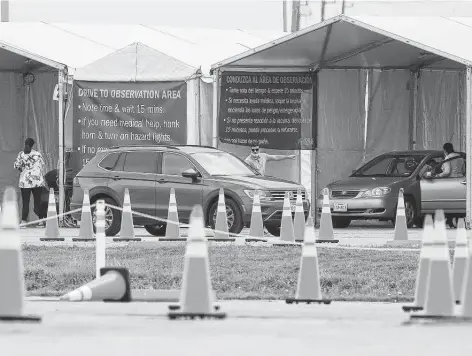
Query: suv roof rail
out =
(203, 146)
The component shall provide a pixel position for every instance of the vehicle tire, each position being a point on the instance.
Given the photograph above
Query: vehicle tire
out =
(233, 214)
(112, 216)
(273, 228)
(341, 223)
(410, 212)
(156, 230)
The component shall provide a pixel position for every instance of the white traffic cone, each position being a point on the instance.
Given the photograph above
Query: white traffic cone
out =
(112, 285)
(401, 231)
(299, 221)
(86, 225)
(256, 231)
(127, 224)
(173, 223)
(461, 256)
(12, 282)
(52, 226)
(439, 301)
(286, 227)
(221, 226)
(326, 232)
(196, 296)
(423, 266)
(308, 286)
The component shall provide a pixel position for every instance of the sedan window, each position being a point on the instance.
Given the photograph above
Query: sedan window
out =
(390, 166)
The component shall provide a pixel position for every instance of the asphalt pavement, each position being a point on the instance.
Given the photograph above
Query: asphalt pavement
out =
(251, 328)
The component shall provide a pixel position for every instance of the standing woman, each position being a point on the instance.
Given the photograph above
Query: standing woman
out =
(31, 165)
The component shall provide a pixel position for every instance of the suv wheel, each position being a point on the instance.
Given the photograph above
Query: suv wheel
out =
(233, 216)
(112, 217)
(156, 230)
(273, 228)
(410, 213)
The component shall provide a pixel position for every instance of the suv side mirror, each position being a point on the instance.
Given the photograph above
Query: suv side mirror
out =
(190, 173)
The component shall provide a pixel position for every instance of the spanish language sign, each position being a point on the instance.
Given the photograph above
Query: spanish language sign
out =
(112, 114)
(267, 109)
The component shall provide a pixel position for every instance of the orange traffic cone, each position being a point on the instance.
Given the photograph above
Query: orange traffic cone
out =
(439, 303)
(197, 295)
(461, 256)
(112, 285)
(52, 226)
(101, 243)
(326, 232)
(127, 225)
(86, 225)
(286, 227)
(308, 287)
(466, 296)
(12, 292)
(299, 221)
(423, 266)
(221, 226)
(173, 223)
(256, 231)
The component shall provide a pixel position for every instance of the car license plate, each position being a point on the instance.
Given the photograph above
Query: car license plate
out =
(293, 207)
(340, 207)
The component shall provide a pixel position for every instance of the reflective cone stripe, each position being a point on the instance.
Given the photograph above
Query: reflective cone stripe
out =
(286, 228)
(439, 291)
(257, 226)
(172, 227)
(299, 221)
(221, 225)
(100, 257)
(52, 225)
(326, 231)
(461, 255)
(423, 265)
(196, 294)
(111, 285)
(86, 225)
(401, 231)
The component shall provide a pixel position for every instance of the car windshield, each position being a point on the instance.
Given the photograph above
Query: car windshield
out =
(222, 164)
(390, 166)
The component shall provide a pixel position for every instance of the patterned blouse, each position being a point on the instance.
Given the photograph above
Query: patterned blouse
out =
(31, 167)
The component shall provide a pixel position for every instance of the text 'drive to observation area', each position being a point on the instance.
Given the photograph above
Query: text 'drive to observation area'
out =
(117, 114)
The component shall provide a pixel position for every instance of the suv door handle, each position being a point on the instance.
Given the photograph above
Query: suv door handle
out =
(115, 177)
(464, 182)
(162, 180)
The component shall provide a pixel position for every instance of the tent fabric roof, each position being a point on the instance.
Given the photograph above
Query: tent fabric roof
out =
(367, 42)
(136, 62)
(77, 45)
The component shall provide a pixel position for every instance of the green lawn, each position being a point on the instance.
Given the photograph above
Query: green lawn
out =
(238, 272)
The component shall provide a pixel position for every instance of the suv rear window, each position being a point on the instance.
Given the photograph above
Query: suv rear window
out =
(109, 161)
(141, 162)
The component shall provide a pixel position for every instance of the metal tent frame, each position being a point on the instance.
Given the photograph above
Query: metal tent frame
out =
(368, 43)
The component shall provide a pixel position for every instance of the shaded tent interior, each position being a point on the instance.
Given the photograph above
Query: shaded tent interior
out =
(383, 84)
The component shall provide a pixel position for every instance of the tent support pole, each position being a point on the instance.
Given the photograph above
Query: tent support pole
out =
(414, 113)
(468, 118)
(61, 168)
(216, 87)
(366, 109)
(314, 152)
(198, 110)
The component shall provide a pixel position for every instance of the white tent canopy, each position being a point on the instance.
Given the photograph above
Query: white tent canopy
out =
(384, 83)
(136, 62)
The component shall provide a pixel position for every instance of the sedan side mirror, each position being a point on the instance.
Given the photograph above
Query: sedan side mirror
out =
(191, 173)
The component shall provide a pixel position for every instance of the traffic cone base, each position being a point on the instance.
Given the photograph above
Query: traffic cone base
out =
(112, 286)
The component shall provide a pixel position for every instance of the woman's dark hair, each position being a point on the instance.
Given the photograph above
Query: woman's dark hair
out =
(29, 143)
